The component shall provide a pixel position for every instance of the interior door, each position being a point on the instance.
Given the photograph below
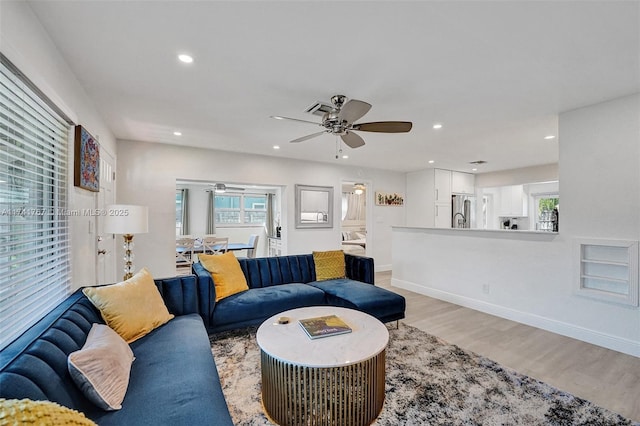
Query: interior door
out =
(105, 244)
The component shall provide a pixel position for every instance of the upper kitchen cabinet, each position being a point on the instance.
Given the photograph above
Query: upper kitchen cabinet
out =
(513, 201)
(462, 183)
(442, 185)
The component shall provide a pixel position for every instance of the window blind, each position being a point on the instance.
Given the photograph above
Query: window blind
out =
(34, 232)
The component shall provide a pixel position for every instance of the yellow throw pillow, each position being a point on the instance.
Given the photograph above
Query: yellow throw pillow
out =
(26, 411)
(226, 272)
(329, 264)
(132, 308)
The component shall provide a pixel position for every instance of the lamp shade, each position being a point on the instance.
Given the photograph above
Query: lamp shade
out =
(126, 219)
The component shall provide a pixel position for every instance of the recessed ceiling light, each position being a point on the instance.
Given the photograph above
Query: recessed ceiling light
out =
(187, 59)
(345, 157)
(548, 137)
(276, 147)
(431, 161)
(437, 126)
(176, 133)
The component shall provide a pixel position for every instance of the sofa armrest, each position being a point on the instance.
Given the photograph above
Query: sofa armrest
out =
(359, 268)
(188, 295)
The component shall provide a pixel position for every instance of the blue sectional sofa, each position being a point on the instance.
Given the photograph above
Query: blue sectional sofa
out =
(173, 381)
(277, 284)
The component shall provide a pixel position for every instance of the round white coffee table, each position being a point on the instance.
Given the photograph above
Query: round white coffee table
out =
(335, 380)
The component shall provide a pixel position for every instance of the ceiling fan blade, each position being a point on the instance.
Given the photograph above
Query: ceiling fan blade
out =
(304, 138)
(352, 140)
(384, 126)
(353, 110)
(279, 117)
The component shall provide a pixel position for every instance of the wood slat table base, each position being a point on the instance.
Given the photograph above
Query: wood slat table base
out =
(350, 395)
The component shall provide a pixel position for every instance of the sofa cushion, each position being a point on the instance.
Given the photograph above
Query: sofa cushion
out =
(329, 264)
(174, 380)
(260, 303)
(131, 308)
(26, 411)
(101, 368)
(379, 302)
(226, 272)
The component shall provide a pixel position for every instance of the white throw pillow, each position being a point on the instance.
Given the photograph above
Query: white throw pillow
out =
(101, 368)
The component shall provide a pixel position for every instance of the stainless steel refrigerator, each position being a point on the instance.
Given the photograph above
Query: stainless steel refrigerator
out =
(462, 211)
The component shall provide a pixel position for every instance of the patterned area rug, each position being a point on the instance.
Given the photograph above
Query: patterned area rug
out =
(429, 382)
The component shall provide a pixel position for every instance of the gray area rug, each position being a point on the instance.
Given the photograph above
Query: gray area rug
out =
(429, 382)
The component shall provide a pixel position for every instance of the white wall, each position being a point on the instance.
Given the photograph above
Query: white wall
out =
(532, 278)
(28, 47)
(147, 175)
(544, 173)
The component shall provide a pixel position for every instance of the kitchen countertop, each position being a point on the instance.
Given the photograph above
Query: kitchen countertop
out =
(477, 231)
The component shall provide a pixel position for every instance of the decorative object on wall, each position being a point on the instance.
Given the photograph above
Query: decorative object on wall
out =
(384, 199)
(314, 206)
(86, 161)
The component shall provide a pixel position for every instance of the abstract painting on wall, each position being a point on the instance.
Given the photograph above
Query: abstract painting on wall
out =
(86, 161)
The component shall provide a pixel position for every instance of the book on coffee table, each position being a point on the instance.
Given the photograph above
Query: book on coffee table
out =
(326, 326)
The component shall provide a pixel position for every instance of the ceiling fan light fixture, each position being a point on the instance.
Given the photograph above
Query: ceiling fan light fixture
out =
(358, 188)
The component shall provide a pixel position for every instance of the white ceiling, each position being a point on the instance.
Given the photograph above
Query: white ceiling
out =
(496, 74)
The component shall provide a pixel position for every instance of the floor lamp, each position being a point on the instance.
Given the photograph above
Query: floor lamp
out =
(126, 219)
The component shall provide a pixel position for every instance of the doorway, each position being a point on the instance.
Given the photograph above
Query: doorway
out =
(355, 198)
(105, 243)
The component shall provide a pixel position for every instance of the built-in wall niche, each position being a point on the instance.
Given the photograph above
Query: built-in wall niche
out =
(608, 270)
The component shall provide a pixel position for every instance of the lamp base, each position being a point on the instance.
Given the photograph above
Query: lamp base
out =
(128, 256)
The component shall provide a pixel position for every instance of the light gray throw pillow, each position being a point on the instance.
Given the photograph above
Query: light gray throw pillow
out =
(101, 368)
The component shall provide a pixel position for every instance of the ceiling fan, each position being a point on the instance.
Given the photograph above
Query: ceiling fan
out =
(339, 120)
(221, 188)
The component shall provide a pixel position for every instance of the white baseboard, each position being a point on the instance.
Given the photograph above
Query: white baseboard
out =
(382, 268)
(608, 341)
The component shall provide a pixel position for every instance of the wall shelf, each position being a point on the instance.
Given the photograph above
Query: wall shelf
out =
(608, 270)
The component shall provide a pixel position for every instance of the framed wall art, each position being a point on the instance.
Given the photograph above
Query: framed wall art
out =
(86, 173)
(385, 199)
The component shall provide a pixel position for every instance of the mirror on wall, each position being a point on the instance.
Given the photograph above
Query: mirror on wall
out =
(314, 206)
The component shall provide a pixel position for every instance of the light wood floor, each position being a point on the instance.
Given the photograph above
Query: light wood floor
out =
(607, 378)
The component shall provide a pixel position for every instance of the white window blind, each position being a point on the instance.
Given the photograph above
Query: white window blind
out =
(34, 234)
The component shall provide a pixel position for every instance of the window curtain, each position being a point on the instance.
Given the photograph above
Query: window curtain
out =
(184, 214)
(355, 206)
(211, 214)
(269, 220)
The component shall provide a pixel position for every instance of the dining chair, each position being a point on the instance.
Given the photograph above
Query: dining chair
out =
(253, 242)
(184, 251)
(215, 245)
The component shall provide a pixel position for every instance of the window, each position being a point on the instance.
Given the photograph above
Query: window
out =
(240, 209)
(546, 218)
(34, 242)
(179, 212)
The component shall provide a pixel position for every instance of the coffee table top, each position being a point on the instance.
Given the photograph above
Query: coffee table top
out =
(290, 343)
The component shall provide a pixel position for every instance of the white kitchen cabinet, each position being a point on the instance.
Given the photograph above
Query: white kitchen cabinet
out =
(442, 185)
(442, 215)
(428, 201)
(462, 183)
(513, 201)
